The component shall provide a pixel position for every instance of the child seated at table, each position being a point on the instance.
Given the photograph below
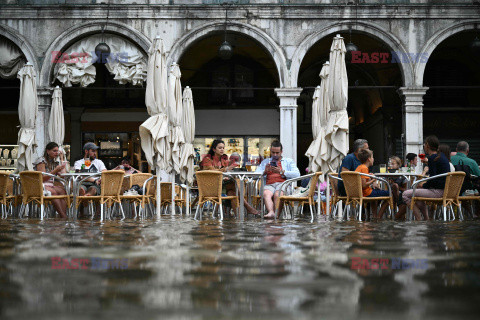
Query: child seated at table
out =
(366, 158)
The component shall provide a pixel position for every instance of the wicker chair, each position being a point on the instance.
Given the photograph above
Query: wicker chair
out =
(6, 196)
(210, 190)
(453, 185)
(336, 197)
(110, 191)
(467, 200)
(128, 182)
(290, 200)
(353, 186)
(33, 190)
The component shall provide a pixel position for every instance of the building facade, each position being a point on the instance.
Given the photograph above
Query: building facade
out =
(416, 71)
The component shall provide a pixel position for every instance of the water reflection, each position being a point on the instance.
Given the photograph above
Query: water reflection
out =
(180, 268)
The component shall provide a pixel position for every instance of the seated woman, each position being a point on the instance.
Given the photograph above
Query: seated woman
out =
(125, 166)
(217, 160)
(445, 150)
(398, 183)
(48, 164)
(437, 164)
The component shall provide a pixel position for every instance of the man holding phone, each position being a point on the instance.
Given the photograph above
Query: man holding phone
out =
(277, 169)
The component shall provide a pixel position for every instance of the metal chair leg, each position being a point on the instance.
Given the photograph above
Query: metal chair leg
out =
(221, 211)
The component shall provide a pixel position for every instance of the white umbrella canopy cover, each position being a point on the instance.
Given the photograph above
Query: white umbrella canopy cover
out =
(27, 113)
(154, 131)
(175, 113)
(337, 128)
(319, 151)
(187, 154)
(56, 123)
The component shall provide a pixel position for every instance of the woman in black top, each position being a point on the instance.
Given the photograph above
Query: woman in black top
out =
(437, 164)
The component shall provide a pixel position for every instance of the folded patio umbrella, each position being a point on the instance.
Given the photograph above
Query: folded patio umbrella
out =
(27, 114)
(337, 128)
(319, 151)
(56, 123)
(154, 131)
(175, 110)
(187, 153)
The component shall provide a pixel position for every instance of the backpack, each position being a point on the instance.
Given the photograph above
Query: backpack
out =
(467, 182)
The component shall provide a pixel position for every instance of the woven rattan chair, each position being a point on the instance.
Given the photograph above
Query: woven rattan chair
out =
(33, 190)
(111, 185)
(335, 197)
(210, 190)
(290, 200)
(6, 197)
(464, 200)
(453, 185)
(128, 182)
(353, 186)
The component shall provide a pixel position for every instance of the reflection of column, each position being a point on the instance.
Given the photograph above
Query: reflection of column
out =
(413, 117)
(75, 132)
(288, 120)
(41, 124)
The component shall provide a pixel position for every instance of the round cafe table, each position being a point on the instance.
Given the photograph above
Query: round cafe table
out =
(75, 178)
(250, 177)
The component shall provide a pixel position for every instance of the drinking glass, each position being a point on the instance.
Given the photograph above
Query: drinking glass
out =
(422, 155)
(383, 168)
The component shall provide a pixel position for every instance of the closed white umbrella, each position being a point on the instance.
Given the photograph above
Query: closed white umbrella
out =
(56, 123)
(175, 111)
(319, 151)
(337, 128)
(187, 153)
(27, 114)
(175, 107)
(154, 131)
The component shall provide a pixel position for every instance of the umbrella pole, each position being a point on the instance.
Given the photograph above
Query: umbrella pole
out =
(328, 196)
(173, 193)
(187, 196)
(159, 180)
(319, 200)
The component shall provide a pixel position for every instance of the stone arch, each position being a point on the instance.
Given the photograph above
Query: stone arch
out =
(435, 40)
(370, 29)
(74, 33)
(264, 39)
(21, 42)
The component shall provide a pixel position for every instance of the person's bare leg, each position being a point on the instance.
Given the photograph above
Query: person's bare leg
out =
(59, 204)
(383, 208)
(276, 200)
(402, 210)
(268, 200)
(417, 213)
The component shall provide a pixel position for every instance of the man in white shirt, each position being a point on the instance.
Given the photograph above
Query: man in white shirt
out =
(90, 187)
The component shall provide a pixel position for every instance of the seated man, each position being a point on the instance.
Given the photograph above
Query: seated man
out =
(277, 169)
(90, 163)
(125, 166)
(351, 162)
(462, 158)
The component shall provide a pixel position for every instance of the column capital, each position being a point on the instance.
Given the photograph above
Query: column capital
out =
(288, 96)
(75, 113)
(412, 93)
(44, 91)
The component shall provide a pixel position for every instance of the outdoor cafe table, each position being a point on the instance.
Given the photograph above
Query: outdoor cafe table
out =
(250, 177)
(75, 178)
(407, 175)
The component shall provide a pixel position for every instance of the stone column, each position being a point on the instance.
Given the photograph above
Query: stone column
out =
(413, 117)
(75, 132)
(41, 125)
(288, 120)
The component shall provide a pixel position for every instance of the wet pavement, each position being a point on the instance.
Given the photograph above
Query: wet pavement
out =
(178, 268)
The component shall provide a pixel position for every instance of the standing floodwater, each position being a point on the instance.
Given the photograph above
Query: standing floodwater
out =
(178, 268)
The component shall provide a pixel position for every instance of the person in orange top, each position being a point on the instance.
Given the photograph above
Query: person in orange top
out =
(366, 158)
(216, 159)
